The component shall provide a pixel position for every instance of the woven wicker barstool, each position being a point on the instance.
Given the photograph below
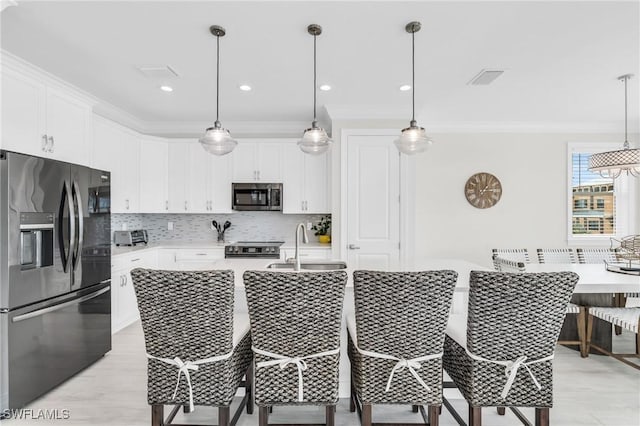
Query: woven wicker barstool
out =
(191, 334)
(501, 354)
(396, 340)
(295, 327)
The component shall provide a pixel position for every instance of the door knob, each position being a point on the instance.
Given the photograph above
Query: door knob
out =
(353, 247)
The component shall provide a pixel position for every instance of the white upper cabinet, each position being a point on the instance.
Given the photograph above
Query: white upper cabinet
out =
(154, 175)
(220, 181)
(68, 127)
(257, 161)
(178, 159)
(117, 150)
(23, 114)
(199, 182)
(305, 180)
(39, 119)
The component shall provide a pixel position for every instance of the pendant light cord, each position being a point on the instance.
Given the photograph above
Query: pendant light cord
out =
(413, 76)
(626, 140)
(217, 78)
(314, 79)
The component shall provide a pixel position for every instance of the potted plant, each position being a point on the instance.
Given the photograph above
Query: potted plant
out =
(322, 229)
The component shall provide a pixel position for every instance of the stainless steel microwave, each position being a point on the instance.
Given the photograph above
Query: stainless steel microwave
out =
(257, 196)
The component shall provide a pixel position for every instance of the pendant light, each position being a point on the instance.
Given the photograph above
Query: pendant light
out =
(612, 164)
(314, 139)
(413, 139)
(217, 140)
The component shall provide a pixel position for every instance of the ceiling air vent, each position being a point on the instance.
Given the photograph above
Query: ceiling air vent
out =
(485, 77)
(158, 71)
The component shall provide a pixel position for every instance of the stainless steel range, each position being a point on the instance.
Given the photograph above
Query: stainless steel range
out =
(263, 249)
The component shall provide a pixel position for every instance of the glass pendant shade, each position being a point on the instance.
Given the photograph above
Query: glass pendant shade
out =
(217, 140)
(315, 141)
(413, 140)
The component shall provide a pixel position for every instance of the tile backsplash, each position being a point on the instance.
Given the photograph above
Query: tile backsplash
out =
(245, 226)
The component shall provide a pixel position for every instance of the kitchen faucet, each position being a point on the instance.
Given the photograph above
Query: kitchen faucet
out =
(305, 240)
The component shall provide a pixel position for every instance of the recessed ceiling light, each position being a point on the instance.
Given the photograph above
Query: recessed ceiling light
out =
(405, 87)
(324, 87)
(245, 87)
(166, 88)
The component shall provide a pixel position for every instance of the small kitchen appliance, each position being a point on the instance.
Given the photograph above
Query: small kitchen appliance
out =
(130, 238)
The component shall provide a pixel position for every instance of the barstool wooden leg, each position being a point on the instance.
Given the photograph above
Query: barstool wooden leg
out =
(157, 415)
(501, 411)
(366, 415)
(415, 408)
(249, 388)
(330, 415)
(223, 416)
(475, 416)
(263, 416)
(352, 393)
(542, 416)
(434, 415)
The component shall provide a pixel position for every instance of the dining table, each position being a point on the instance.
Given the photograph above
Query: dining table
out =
(596, 287)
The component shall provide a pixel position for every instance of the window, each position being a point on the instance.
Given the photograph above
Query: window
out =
(599, 208)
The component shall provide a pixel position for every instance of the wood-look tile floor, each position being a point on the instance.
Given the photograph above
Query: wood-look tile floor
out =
(596, 391)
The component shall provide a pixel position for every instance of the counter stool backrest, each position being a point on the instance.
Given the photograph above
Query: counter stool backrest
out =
(511, 315)
(516, 255)
(596, 255)
(563, 255)
(506, 265)
(402, 313)
(185, 314)
(295, 313)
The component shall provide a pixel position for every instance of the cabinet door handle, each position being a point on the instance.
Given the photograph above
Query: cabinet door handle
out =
(136, 259)
(166, 205)
(302, 205)
(353, 247)
(306, 206)
(185, 205)
(201, 254)
(53, 142)
(126, 204)
(122, 280)
(45, 140)
(258, 174)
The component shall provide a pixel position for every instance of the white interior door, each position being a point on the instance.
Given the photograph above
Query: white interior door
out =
(373, 202)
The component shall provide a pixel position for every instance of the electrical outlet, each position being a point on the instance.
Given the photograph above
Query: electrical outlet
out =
(309, 225)
(170, 226)
(124, 226)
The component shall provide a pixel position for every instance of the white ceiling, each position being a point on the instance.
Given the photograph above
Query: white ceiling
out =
(561, 58)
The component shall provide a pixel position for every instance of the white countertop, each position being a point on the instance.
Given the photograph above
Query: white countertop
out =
(120, 250)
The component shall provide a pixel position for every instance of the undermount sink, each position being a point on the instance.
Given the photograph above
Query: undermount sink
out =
(310, 266)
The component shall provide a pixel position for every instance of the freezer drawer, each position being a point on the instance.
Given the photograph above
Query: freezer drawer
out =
(47, 343)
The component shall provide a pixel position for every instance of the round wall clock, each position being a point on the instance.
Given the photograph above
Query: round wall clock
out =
(483, 190)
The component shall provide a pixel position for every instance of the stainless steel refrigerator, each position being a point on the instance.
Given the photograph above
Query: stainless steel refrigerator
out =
(55, 273)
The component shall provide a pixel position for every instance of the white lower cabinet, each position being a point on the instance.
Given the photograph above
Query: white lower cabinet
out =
(124, 306)
(313, 253)
(189, 259)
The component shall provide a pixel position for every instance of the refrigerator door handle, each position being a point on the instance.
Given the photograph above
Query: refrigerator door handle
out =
(80, 239)
(68, 200)
(57, 307)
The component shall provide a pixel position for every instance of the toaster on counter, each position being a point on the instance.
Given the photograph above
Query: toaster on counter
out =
(130, 238)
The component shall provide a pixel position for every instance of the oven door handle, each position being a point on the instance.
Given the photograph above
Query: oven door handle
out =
(59, 306)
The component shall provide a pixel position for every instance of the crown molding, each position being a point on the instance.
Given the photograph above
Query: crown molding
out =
(241, 129)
